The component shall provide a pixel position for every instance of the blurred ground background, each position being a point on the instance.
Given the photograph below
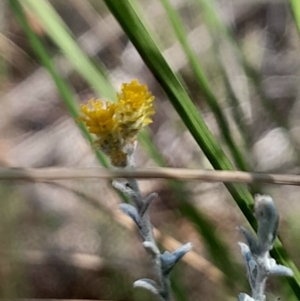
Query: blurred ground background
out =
(64, 240)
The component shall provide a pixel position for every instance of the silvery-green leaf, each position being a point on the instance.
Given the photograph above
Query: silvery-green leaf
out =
(147, 284)
(131, 212)
(151, 248)
(146, 203)
(251, 264)
(281, 270)
(268, 220)
(182, 250)
(271, 262)
(252, 270)
(124, 187)
(244, 297)
(168, 260)
(245, 250)
(250, 239)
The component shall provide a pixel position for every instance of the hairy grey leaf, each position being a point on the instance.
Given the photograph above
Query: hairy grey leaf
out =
(250, 239)
(147, 284)
(147, 202)
(151, 248)
(268, 220)
(251, 264)
(168, 260)
(124, 187)
(244, 297)
(281, 270)
(131, 212)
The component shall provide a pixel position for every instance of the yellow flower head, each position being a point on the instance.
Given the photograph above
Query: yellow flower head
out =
(98, 116)
(134, 108)
(117, 124)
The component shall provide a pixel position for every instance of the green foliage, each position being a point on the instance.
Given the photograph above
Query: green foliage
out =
(178, 96)
(144, 42)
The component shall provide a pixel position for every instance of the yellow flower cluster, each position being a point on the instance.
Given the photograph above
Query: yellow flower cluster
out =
(117, 124)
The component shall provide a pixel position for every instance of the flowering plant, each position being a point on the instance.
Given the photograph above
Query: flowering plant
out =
(116, 126)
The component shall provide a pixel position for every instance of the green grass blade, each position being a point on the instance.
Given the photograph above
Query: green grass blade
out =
(295, 5)
(87, 61)
(60, 34)
(177, 94)
(212, 18)
(62, 87)
(219, 29)
(65, 92)
(204, 85)
(139, 36)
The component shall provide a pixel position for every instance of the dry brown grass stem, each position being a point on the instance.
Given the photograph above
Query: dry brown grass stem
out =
(46, 174)
(34, 299)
